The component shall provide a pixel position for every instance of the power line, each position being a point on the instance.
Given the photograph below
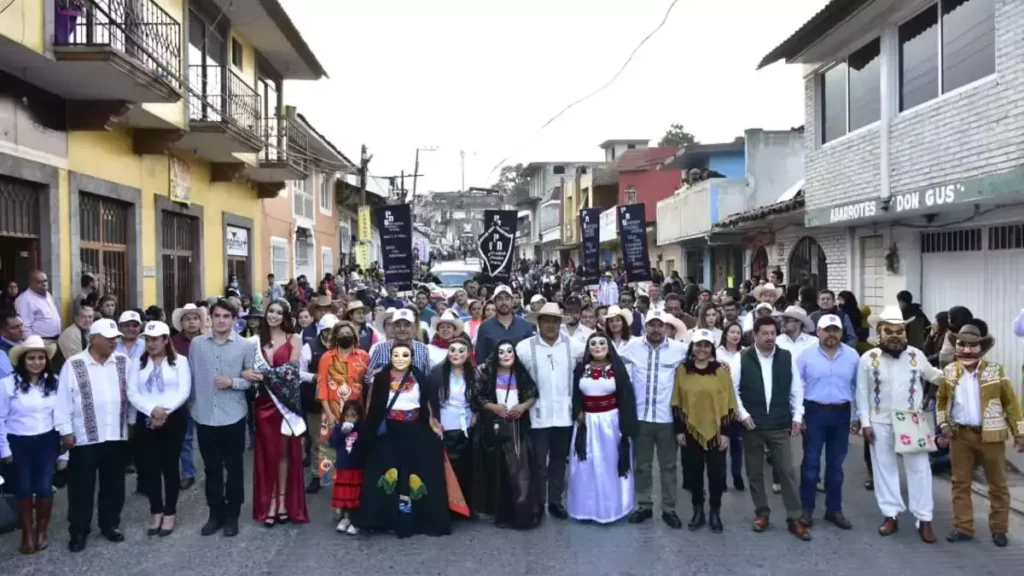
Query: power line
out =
(603, 86)
(6, 6)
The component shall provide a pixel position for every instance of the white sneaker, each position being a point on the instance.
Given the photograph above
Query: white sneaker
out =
(344, 525)
(352, 530)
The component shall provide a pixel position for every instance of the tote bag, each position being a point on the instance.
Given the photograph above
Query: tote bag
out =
(913, 431)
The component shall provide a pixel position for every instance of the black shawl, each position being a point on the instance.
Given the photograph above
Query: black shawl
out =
(380, 393)
(484, 390)
(625, 398)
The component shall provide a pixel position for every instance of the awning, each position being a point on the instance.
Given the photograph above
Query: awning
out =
(762, 213)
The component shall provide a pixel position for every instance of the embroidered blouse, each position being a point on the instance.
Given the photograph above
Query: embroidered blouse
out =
(92, 399)
(885, 384)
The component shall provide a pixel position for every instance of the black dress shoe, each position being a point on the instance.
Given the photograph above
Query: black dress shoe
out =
(231, 527)
(212, 526)
(697, 520)
(672, 519)
(153, 531)
(999, 539)
(314, 486)
(77, 543)
(737, 482)
(187, 483)
(838, 519)
(558, 511)
(165, 532)
(715, 521)
(959, 536)
(113, 534)
(641, 515)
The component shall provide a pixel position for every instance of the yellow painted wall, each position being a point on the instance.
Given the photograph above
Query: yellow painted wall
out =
(22, 22)
(64, 224)
(248, 70)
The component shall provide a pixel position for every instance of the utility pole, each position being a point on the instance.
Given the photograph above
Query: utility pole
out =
(416, 168)
(401, 188)
(364, 165)
(462, 163)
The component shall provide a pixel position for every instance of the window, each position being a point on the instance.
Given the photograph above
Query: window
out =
(302, 201)
(327, 264)
(850, 92)
(630, 195)
(559, 169)
(948, 45)
(236, 53)
(304, 265)
(630, 146)
(326, 182)
(280, 262)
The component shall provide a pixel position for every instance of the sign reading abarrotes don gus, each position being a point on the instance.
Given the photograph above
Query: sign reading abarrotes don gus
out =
(497, 244)
(394, 222)
(633, 232)
(590, 235)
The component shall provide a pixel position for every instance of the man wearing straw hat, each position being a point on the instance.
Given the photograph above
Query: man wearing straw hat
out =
(977, 411)
(891, 386)
(188, 322)
(796, 326)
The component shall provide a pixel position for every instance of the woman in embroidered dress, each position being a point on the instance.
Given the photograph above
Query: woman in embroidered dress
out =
(452, 378)
(616, 326)
(604, 406)
(278, 491)
(503, 487)
(404, 487)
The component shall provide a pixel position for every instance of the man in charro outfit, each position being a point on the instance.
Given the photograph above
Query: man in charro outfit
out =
(978, 412)
(91, 417)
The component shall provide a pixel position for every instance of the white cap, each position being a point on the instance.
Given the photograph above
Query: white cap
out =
(326, 323)
(106, 328)
(536, 298)
(829, 321)
(404, 314)
(156, 329)
(764, 306)
(129, 316)
(502, 289)
(653, 315)
(703, 335)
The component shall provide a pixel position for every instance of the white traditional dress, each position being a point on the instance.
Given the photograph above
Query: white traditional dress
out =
(596, 491)
(885, 384)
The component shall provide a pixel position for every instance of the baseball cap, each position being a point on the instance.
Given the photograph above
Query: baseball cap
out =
(104, 327)
(502, 289)
(537, 298)
(326, 323)
(703, 335)
(764, 306)
(404, 314)
(654, 315)
(129, 316)
(156, 329)
(829, 321)
(573, 302)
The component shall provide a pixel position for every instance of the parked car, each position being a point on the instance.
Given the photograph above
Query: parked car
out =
(452, 276)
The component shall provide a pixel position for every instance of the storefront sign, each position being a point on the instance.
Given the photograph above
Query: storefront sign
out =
(365, 225)
(928, 200)
(395, 225)
(590, 236)
(237, 242)
(181, 181)
(497, 243)
(633, 230)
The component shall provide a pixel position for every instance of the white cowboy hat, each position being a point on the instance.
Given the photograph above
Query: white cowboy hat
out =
(756, 292)
(538, 298)
(383, 318)
(548, 309)
(797, 313)
(30, 344)
(189, 308)
(356, 305)
(890, 315)
(447, 317)
(616, 310)
(682, 332)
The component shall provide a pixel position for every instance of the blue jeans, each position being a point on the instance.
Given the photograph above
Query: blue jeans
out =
(35, 460)
(828, 429)
(188, 464)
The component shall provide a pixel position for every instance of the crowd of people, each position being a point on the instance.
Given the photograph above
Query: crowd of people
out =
(501, 403)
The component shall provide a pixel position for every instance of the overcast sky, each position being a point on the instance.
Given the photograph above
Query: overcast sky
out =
(482, 76)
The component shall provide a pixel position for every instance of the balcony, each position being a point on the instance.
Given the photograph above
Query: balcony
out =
(224, 116)
(691, 212)
(285, 153)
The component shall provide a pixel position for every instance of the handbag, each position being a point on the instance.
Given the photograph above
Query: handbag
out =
(497, 430)
(913, 431)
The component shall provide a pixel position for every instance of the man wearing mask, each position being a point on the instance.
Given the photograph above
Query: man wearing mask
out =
(188, 322)
(551, 358)
(572, 329)
(770, 406)
(827, 305)
(652, 364)
(503, 326)
(891, 384)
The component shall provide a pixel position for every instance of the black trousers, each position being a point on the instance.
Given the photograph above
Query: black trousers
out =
(697, 459)
(159, 449)
(551, 456)
(222, 448)
(106, 461)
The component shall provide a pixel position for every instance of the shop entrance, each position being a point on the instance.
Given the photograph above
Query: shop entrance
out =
(19, 231)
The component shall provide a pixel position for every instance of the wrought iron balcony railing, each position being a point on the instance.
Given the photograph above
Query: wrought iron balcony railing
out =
(285, 140)
(139, 29)
(216, 96)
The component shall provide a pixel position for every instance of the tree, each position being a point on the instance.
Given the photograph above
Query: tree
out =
(511, 182)
(677, 137)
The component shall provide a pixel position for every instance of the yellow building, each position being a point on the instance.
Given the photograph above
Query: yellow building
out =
(137, 140)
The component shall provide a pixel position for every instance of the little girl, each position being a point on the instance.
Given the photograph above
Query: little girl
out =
(348, 466)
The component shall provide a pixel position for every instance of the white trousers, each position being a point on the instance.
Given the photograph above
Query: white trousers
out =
(886, 475)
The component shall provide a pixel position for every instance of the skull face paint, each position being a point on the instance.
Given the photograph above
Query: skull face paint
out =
(506, 355)
(401, 358)
(598, 346)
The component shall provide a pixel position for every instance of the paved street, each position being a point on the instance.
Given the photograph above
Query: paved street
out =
(556, 548)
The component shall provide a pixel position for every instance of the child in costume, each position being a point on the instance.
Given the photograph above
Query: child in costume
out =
(348, 467)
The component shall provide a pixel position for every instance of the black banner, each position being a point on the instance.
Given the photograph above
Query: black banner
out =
(633, 235)
(590, 235)
(394, 222)
(497, 244)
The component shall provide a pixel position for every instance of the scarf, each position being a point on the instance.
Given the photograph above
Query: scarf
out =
(156, 379)
(440, 342)
(705, 400)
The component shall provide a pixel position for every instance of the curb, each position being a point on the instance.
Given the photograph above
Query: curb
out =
(1016, 506)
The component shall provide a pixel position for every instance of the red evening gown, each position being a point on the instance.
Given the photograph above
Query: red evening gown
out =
(268, 455)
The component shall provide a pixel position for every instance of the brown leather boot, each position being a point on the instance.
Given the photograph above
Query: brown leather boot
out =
(26, 506)
(926, 533)
(44, 506)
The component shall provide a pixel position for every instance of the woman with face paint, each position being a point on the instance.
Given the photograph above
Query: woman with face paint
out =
(453, 379)
(404, 488)
(604, 408)
(504, 487)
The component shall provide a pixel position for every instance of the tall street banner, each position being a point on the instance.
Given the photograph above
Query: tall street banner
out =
(364, 232)
(497, 244)
(394, 222)
(590, 235)
(633, 232)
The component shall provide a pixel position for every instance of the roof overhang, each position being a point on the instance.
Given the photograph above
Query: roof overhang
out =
(833, 15)
(267, 26)
(324, 153)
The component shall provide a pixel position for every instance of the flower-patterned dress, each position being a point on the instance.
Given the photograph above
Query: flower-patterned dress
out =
(339, 380)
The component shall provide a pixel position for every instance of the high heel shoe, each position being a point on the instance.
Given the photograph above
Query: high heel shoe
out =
(268, 522)
(164, 532)
(282, 515)
(153, 531)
